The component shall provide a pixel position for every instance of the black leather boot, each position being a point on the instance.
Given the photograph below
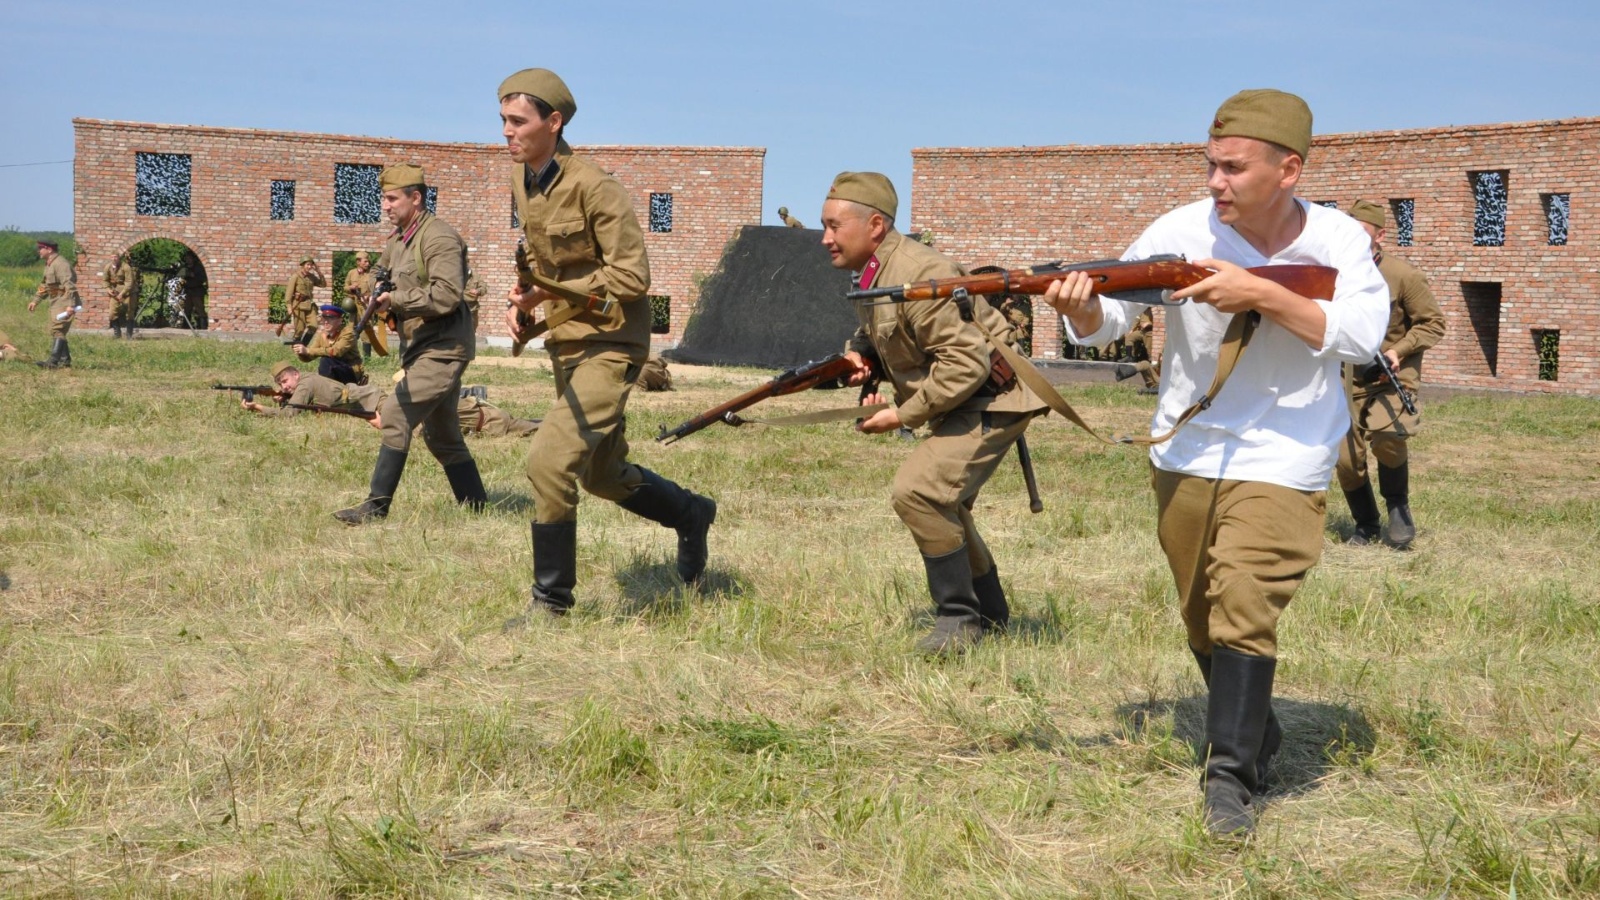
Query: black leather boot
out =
(1236, 725)
(555, 571)
(1270, 741)
(957, 623)
(385, 480)
(1395, 485)
(1364, 510)
(53, 361)
(992, 606)
(65, 362)
(688, 513)
(467, 484)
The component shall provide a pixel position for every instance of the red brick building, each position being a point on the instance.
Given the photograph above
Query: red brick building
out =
(251, 203)
(1497, 220)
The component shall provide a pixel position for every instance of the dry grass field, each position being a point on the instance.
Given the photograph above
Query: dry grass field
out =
(210, 688)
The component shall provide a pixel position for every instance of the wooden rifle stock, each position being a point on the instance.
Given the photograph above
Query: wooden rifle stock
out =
(835, 368)
(341, 410)
(1148, 281)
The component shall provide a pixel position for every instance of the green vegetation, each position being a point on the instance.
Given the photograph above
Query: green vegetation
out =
(210, 688)
(20, 248)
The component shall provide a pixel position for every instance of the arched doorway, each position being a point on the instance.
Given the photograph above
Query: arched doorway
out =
(172, 285)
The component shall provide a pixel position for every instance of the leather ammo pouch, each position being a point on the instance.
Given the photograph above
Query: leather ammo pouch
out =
(1001, 376)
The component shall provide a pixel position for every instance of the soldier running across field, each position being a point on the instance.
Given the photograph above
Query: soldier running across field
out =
(59, 287)
(581, 231)
(428, 261)
(1378, 417)
(945, 376)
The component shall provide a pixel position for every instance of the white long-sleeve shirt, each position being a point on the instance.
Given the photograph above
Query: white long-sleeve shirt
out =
(1281, 414)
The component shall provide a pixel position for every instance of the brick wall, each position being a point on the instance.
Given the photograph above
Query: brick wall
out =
(1015, 206)
(715, 190)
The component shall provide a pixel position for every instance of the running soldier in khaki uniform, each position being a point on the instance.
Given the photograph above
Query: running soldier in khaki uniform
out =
(945, 376)
(59, 287)
(580, 229)
(334, 347)
(122, 286)
(791, 221)
(427, 261)
(474, 293)
(1378, 418)
(473, 410)
(301, 298)
(1138, 341)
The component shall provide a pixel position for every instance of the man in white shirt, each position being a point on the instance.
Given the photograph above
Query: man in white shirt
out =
(1240, 488)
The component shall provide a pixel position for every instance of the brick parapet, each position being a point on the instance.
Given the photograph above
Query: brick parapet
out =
(715, 191)
(1019, 205)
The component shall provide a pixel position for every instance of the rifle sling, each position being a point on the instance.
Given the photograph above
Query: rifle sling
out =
(1237, 337)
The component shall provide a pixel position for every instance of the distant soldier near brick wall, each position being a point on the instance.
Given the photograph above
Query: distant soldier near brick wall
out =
(300, 297)
(58, 287)
(1377, 417)
(122, 286)
(791, 221)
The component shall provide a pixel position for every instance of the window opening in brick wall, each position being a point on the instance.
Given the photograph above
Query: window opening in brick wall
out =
(161, 184)
(356, 195)
(1547, 343)
(660, 314)
(344, 261)
(283, 201)
(430, 198)
(1331, 204)
(277, 307)
(1489, 208)
(1556, 208)
(516, 220)
(1482, 299)
(1404, 213)
(660, 213)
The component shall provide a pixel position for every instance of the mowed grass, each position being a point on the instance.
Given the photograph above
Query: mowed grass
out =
(210, 688)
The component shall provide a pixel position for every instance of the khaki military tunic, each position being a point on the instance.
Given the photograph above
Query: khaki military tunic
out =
(431, 316)
(358, 287)
(480, 417)
(940, 368)
(13, 355)
(59, 287)
(1378, 420)
(792, 222)
(336, 354)
(302, 301)
(317, 390)
(580, 229)
(122, 283)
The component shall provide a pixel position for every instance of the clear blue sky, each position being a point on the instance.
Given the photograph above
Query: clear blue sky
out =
(824, 85)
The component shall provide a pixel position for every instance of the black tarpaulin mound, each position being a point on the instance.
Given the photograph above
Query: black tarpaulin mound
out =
(775, 301)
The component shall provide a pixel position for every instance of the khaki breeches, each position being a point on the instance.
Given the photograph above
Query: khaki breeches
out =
(1381, 423)
(937, 484)
(583, 437)
(1238, 551)
(427, 396)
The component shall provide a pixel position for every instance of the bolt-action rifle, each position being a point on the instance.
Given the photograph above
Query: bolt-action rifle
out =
(1149, 281)
(249, 391)
(1381, 362)
(831, 372)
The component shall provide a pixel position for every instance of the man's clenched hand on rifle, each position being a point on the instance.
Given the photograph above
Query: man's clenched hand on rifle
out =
(523, 301)
(882, 421)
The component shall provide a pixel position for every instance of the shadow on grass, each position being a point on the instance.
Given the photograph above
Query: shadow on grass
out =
(509, 502)
(1318, 738)
(652, 588)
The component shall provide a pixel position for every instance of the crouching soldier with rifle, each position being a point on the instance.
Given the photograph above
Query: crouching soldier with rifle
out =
(946, 376)
(428, 262)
